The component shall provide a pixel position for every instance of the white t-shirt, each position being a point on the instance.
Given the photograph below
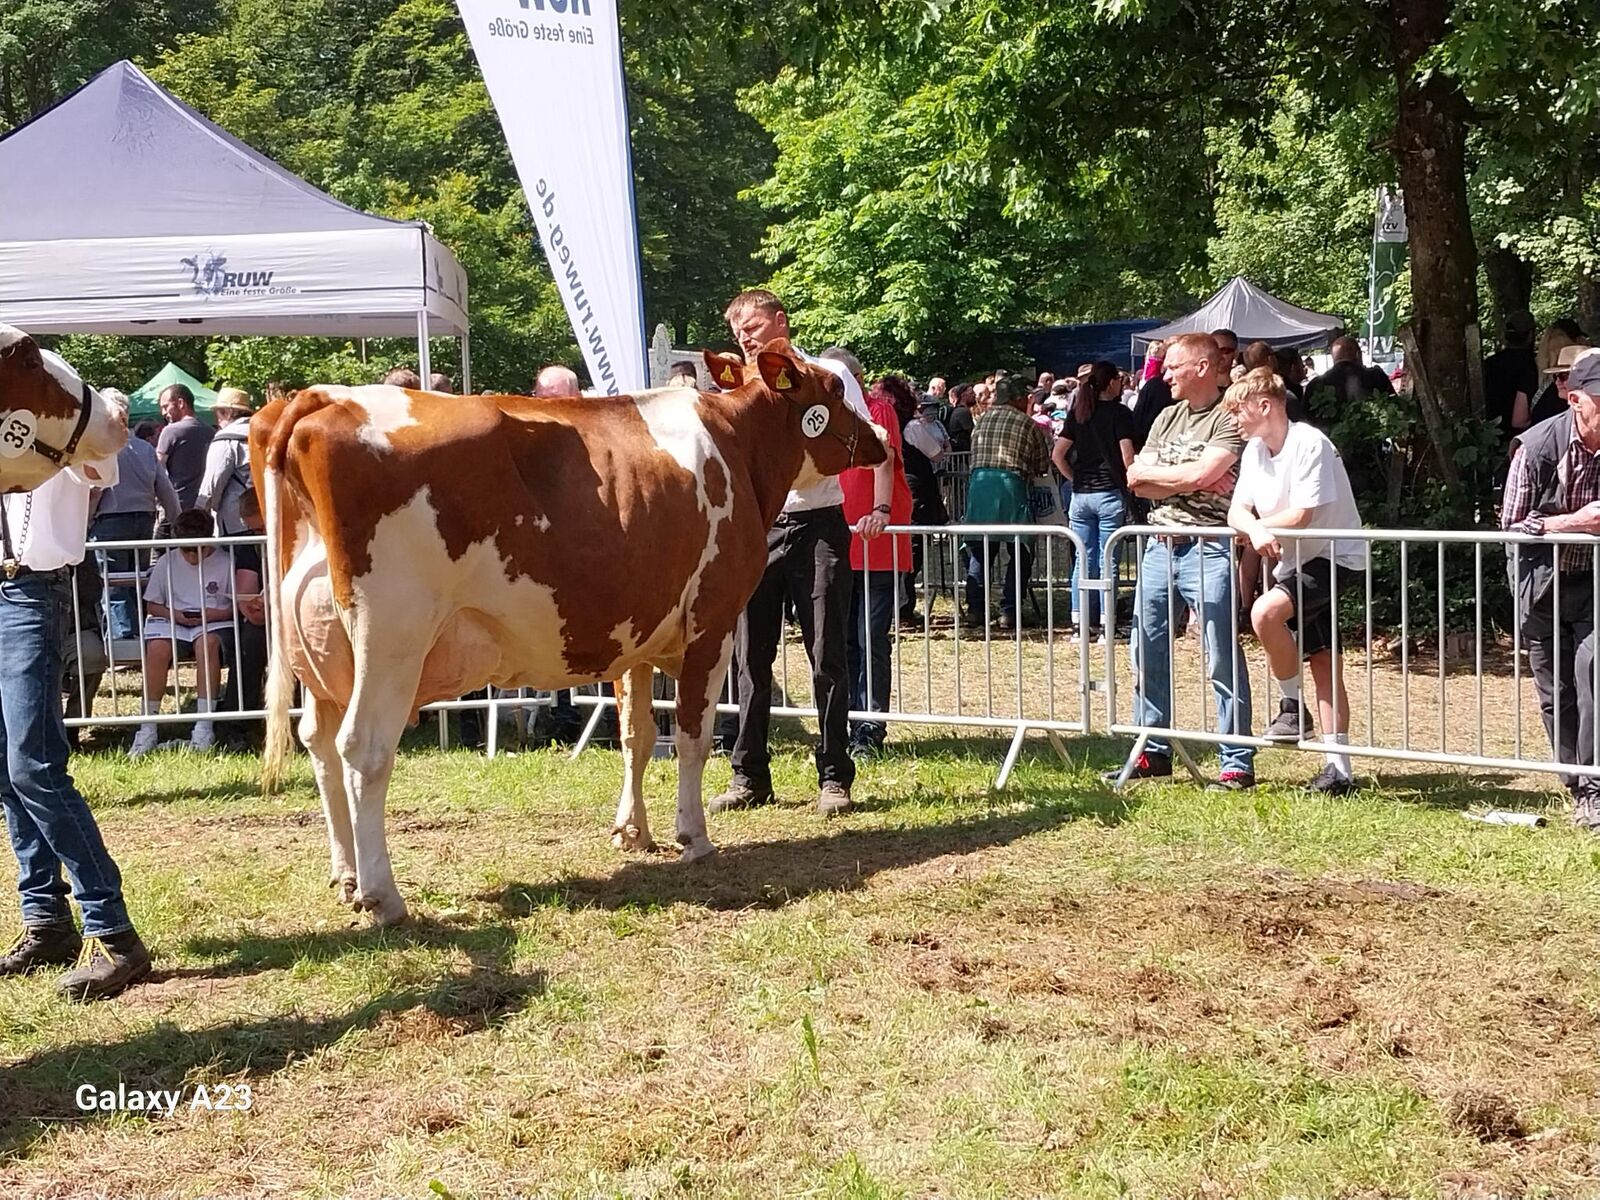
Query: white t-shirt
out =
(184, 586)
(50, 534)
(1306, 473)
(821, 495)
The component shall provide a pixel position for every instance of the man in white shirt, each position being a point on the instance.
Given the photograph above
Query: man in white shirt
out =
(227, 473)
(1290, 477)
(42, 535)
(808, 560)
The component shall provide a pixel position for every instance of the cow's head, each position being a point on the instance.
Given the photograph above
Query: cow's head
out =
(834, 436)
(49, 418)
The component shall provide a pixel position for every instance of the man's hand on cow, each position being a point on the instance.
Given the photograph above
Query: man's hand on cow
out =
(871, 525)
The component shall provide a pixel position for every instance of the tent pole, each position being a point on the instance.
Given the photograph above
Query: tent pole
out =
(466, 363)
(424, 366)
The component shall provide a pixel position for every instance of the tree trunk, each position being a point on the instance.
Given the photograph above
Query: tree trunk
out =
(1430, 154)
(1589, 303)
(1510, 283)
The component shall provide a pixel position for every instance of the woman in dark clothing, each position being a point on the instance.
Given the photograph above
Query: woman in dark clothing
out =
(1093, 452)
(960, 421)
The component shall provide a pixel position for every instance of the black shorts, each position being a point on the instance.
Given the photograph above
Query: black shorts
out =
(1311, 594)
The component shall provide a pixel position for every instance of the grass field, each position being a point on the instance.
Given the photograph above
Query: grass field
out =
(1056, 991)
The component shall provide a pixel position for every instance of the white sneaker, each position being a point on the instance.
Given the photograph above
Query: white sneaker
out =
(144, 741)
(204, 736)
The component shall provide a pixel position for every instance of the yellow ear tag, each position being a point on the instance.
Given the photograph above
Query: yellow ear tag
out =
(783, 383)
(727, 373)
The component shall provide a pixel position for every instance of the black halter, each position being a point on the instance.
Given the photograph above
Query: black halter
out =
(59, 457)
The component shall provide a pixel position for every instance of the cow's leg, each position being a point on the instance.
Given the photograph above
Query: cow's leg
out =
(368, 740)
(632, 829)
(319, 729)
(705, 663)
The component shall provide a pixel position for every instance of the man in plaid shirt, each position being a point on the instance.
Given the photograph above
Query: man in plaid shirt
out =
(1009, 451)
(1554, 487)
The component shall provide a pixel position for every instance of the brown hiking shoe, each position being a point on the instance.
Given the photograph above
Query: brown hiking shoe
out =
(109, 965)
(52, 944)
(834, 799)
(740, 795)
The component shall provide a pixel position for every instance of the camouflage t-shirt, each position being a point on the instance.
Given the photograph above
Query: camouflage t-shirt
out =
(1181, 435)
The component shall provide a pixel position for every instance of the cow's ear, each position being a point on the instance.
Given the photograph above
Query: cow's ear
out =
(24, 352)
(780, 372)
(727, 370)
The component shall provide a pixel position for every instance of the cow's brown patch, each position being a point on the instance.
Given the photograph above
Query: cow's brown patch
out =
(716, 480)
(25, 383)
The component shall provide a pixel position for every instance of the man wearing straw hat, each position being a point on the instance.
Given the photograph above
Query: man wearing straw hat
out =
(1554, 487)
(227, 473)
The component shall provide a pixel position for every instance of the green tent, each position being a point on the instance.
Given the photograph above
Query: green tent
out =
(142, 403)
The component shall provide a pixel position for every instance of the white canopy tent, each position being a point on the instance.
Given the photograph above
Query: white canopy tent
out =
(123, 210)
(1255, 315)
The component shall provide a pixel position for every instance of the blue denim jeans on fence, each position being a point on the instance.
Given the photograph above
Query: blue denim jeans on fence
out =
(122, 602)
(1202, 578)
(1094, 517)
(49, 821)
(872, 609)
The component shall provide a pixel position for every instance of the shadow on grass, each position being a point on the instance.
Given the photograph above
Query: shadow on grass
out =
(771, 874)
(41, 1088)
(1462, 790)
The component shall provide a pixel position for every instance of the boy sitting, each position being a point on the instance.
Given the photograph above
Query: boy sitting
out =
(190, 602)
(1290, 477)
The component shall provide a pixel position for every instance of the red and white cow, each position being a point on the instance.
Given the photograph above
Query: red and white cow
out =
(424, 545)
(49, 418)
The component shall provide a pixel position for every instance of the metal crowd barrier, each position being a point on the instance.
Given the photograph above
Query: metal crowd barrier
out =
(1457, 690)
(1463, 696)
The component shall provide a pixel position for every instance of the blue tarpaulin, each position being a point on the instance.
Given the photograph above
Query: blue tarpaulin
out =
(1062, 348)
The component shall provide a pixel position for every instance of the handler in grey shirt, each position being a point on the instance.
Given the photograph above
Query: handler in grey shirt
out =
(127, 512)
(183, 443)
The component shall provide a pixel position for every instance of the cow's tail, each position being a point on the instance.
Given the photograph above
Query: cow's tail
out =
(280, 679)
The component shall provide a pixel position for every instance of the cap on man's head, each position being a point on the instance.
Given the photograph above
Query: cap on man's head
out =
(1060, 387)
(1585, 374)
(1566, 357)
(929, 402)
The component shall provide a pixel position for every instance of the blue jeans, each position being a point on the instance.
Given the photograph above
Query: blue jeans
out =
(871, 616)
(1202, 578)
(1094, 516)
(50, 823)
(122, 602)
(1019, 554)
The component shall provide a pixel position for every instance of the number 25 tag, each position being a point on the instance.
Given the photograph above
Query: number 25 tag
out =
(815, 422)
(18, 431)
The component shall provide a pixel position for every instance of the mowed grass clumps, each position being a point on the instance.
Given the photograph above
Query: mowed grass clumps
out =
(1051, 991)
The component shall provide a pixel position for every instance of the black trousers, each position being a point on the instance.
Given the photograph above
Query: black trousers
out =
(808, 562)
(1564, 675)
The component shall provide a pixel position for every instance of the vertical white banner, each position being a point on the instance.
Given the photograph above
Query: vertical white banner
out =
(554, 72)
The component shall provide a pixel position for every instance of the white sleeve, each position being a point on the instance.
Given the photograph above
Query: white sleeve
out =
(1249, 468)
(155, 588)
(1312, 485)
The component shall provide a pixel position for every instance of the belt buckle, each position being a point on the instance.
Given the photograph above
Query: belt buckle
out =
(11, 566)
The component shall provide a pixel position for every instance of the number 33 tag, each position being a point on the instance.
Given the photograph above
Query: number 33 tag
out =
(813, 424)
(20, 427)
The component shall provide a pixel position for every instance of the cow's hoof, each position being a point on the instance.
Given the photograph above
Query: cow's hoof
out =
(696, 848)
(345, 886)
(384, 910)
(631, 837)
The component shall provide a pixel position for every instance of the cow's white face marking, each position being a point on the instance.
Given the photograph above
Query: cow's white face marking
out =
(10, 335)
(387, 409)
(71, 382)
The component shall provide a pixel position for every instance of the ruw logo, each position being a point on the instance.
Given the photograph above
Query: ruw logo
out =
(575, 7)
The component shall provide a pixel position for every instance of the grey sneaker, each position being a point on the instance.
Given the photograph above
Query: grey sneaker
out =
(1586, 810)
(1291, 723)
(740, 795)
(833, 799)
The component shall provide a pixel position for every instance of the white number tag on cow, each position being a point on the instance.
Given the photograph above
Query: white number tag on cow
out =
(815, 422)
(17, 433)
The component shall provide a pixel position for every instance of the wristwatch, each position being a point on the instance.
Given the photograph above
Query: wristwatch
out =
(883, 508)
